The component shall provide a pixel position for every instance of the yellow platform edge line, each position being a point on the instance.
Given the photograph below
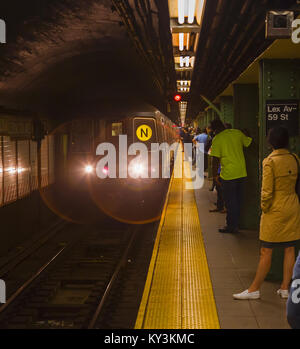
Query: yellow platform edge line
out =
(143, 305)
(215, 316)
(147, 289)
(211, 302)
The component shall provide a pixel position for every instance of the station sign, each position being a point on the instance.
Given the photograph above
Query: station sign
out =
(283, 113)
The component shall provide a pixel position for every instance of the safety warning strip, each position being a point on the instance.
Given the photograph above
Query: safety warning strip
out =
(178, 292)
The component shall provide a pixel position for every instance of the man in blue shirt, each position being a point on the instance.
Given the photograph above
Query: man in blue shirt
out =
(201, 137)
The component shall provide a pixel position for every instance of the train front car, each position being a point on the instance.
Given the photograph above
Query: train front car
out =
(133, 167)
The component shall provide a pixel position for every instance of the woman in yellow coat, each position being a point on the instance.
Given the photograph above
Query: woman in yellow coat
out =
(280, 219)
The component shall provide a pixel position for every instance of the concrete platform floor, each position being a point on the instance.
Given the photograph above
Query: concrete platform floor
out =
(232, 261)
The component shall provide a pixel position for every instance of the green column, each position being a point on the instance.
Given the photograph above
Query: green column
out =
(215, 114)
(279, 81)
(246, 106)
(226, 107)
(211, 115)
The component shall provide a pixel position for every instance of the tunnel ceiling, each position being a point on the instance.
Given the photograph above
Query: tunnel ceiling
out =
(66, 57)
(232, 36)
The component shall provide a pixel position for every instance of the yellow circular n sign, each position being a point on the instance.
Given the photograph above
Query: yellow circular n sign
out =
(144, 133)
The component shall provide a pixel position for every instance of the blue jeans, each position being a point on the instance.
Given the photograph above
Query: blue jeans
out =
(232, 192)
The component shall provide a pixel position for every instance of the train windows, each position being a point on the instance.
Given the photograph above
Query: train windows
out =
(116, 129)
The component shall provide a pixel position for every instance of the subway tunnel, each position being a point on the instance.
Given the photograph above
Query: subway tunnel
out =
(92, 93)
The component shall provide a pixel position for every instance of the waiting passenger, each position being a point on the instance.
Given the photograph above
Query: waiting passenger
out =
(207, 146)
(220, 198)
(280, 219)
(227, 149)
(293, 303)
(201, 138)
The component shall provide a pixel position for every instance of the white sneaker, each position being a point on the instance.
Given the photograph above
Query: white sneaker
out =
(247, 295)
(283, 293)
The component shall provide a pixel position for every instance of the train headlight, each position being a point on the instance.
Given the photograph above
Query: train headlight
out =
(137, 170)
(88, 169)
(105, 170)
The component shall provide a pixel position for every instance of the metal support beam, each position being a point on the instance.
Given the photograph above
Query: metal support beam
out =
(246, 106)
(226, 106)
(279, 84)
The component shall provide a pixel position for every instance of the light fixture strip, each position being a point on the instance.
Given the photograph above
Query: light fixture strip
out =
(200, 9)
(181, 41)
(188, 41)
(181, 4)
(191, 11)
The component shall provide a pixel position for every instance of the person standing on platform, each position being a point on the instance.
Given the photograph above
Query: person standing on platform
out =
(280, 219)
(186, 139)
(227, 150)
(201, 138)
(207, 146)
(220, 198)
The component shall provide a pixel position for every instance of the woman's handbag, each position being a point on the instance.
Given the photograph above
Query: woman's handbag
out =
(298, 178)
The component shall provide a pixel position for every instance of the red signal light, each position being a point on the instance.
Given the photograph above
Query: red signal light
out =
(177, 98)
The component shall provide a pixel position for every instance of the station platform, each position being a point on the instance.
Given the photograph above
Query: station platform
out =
(194, 270)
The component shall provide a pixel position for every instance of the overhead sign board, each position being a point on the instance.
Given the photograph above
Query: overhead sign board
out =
(283, 113)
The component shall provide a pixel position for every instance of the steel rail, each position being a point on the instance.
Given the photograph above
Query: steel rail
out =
(110, 284)
(29, 281)
(17, 258)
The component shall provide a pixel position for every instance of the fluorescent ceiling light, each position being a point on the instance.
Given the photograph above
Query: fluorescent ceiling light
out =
(191, 11)
(181, 11)
(184, 61)
(181, 62)
(188, 41)
(181, 41)
(200, 9)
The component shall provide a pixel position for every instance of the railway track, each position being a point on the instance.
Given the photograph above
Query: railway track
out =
(72, 289)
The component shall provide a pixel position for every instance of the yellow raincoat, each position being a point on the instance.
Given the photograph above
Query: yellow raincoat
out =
(280, 220)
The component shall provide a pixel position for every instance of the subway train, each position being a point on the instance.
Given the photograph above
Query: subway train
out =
(103, 172)
(70, 167)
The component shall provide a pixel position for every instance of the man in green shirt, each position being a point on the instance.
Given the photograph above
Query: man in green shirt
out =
(227, 149)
